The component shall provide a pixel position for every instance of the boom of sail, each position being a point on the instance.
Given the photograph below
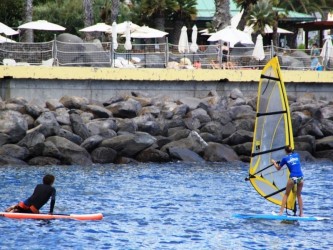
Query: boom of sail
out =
(273, 131)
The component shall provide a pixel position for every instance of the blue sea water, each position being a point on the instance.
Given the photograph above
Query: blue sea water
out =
(162, 206)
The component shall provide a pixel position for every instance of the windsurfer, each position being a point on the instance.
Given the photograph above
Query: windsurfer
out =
(41, 195)
(292, 160)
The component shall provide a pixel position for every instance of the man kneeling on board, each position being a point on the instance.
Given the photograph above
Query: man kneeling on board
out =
(41, 195)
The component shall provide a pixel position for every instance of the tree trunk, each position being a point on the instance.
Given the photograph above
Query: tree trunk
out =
(275, 27)
(160, 25)
(114, 10)
(88, 18)
(28, 35)
(174, 37)
(222, 16)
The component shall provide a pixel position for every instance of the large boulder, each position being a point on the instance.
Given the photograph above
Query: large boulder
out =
(92, 142)
(70, 136)
(62, 116)
(6, 160)
(13, 124)
(78, 126)
(327, 112)
(129, 144)
(200, 114)
(32, 140)
(152, 155)
(184, 154)
(15, 151)
(74, 102)
(103, 127)
(193, 142)
(50, 150)
(103, 155)
(44, 161)
(34, 110)
(242, 112)
(4, 139)
(125, 109)
(126, 125)
(215, 128)
(53, 104)
(72, 153)
(47, 118)
(191, 102)
(312, 127)
(216, 152)
(325, 143)
(239, 137)
(97, 111)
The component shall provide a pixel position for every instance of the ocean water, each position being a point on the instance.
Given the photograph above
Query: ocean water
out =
(163, 206)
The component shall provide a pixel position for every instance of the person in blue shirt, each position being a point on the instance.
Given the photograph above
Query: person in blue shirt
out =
(41, 195)
(292, 160)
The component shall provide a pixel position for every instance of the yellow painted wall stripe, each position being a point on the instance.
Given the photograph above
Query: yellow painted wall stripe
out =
(142, 74)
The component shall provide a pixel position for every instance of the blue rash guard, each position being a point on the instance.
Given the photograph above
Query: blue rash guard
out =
(292, 161)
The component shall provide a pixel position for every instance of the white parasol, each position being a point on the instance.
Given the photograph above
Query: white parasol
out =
(258, 52)
(6, 40)
(114, 36)
(183, 41)
(327, 51)
(41, 25)
(99, 27)
(8, 31)
(147, 32)
(128, 44)
(194, 46)
(231, 35)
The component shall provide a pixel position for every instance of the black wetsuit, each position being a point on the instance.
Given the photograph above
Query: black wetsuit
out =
(41, 195)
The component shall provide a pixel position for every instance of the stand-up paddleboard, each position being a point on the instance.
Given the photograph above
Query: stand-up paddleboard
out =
(278, 217)
(97, 216)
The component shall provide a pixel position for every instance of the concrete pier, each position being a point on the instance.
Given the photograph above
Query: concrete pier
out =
(43, 83)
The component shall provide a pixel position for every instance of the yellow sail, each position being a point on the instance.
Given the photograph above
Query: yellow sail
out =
(273, 131)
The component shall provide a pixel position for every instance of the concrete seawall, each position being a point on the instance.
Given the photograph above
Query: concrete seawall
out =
(42, 83)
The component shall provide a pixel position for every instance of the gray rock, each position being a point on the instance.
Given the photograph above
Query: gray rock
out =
(216, 152)
(113, 99)
(129, 144)
(161, 141)
(207, 137)
(73, 102)
(312, 127)
(325, 143)
(62, 116)
(34, 142)
(53, 104)
(175, 122)
(327, 112)
(17, 100)
(152, 155)
(86, 117)
(244, 124)
(15, 107)
(222, 116)
(144, 101)
(72, 153)
(215, 128)
(236, 93)
(6, 160)
(78, 126)
(243, 149)
(181, 110)
(325, 154)
(46, 130)
(193, 142)
(126, 125)
(306, 98)
(70, 136)
(4, 139)
(103, 127)
(47, 118)
(178, 133)
(50, 150)
(305, 143)
(326, 127)
(306, 156)
(92, 142)
(97, 111)
(15, 151)
(153, 110)
(43, 161)
(239, 137)
(200, 114)
(103, 155)
(192, 123)
(191, 102)
(126, 109)
(151, 127)
(242, 112)
(30, 121)
(34, 110)
(184, 155)
(13, 124)
(228, 130)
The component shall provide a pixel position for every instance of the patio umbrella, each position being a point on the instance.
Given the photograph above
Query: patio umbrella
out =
(194, 46)
(8, 31)
(6, 40)
(128, 44)
(121, 27)
(269, 29)
(231, 35)
(258, 51)
(183, 41)
(147, 32)
(99, 27)
(114, 36)
(327, 51)
(235, 19)
(41, 25)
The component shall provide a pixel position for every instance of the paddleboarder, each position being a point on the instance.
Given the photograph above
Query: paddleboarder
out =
(292, 160)
(41, 195)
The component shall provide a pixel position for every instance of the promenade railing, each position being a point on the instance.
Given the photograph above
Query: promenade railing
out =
(155, 55)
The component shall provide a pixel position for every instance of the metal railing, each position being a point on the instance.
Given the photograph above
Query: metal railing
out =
(158, 55)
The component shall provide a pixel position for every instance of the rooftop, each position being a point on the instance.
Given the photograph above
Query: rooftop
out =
(206, 10)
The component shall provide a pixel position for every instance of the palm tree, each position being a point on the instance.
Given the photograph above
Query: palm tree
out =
(260, 15)
(246, 6)
(115, 10)
(88, 18)
(180, 14)
(222, 16)
(28, 35)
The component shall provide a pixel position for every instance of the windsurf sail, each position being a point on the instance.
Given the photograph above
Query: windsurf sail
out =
(273, 131)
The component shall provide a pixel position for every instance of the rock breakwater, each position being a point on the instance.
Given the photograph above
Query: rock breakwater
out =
(137, 127)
